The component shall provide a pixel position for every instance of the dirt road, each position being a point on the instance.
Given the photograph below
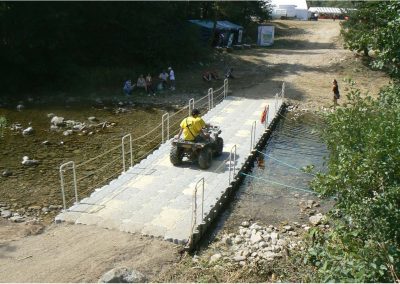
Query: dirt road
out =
(306, 55)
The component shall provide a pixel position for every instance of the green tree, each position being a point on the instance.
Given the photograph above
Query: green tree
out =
(376, 26)
(364, 175)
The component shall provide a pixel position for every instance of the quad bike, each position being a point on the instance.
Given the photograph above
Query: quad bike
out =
(202, 152)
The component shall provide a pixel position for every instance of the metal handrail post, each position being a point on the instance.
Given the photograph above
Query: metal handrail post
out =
(226, 86)
(62, 182)
(202, 180)
(209, 93)
(194, 211)
(212, 97)
(253, 135)
(162, 127)
(230, 163)
(266, 117)
(123, 150)
(191, 106)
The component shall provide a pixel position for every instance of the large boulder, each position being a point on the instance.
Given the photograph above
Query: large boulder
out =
(122, 275)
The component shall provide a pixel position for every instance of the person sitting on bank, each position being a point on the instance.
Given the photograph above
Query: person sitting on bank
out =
(192, 128)
(141, 82)
(149, 85)
(209, 75)
(229, 73)
(128, 87)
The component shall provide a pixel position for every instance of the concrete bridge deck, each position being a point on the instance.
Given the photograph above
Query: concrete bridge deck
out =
(155, 198)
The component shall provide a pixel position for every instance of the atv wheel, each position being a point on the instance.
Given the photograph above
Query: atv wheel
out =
(219, 146)
(176, 155)
(205, 158)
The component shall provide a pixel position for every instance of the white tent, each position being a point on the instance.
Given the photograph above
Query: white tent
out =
(326, 10)
(290, 8)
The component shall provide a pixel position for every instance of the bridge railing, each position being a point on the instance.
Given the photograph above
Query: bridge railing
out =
(195, 209)
(230, 162)
(84, 177)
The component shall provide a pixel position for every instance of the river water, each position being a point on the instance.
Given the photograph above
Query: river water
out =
(271, 194)
(40, 185)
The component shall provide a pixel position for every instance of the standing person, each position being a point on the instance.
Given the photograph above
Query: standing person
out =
(171, 78)
(335, 92)
(149, 84)
(163, 76)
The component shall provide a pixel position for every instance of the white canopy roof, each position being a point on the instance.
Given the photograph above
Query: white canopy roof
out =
(298, 4)
(326, 10)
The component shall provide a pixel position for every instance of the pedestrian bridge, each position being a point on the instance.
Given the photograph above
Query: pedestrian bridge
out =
(157, 199)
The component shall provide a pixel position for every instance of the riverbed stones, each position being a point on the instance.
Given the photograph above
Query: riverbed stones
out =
(310, 203)
(316, 219)
(92, 119)
(7, 173)
(54, 207)
(20, 107)
(34, 208)
(51, 115)
(28, 131)
(255, 238)
(254, 244)
(54, 128)
(215, 257)
(67, 132)
(17, 218)
(45, 210)
(58, 121)
(245, 224)
(288, 228)
(122, 275)
(6, 214)
(29, 162)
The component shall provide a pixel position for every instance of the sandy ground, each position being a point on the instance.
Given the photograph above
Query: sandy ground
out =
(77, 253)
(306, 55)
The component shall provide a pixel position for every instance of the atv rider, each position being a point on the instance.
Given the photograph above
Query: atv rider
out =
(192, 128)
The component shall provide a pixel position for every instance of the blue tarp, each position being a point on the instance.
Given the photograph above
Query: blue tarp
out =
(221, 25)
(227, 33)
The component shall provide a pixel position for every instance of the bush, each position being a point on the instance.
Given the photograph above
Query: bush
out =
(364, 174)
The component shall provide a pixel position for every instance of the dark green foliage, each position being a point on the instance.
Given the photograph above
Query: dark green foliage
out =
(3, 124)
(45, 42)
(53, 43)
(364, 174)
(375, 26)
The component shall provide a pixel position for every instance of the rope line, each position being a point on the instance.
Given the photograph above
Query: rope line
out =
(179, 111)
(290, 166)
(98, 156)
(148, 143)
(141, 157)
(141, 137)
(278, 183)
(219, 89)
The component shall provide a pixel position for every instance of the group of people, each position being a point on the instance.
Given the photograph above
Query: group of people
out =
(167, 80)
(209, 75)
